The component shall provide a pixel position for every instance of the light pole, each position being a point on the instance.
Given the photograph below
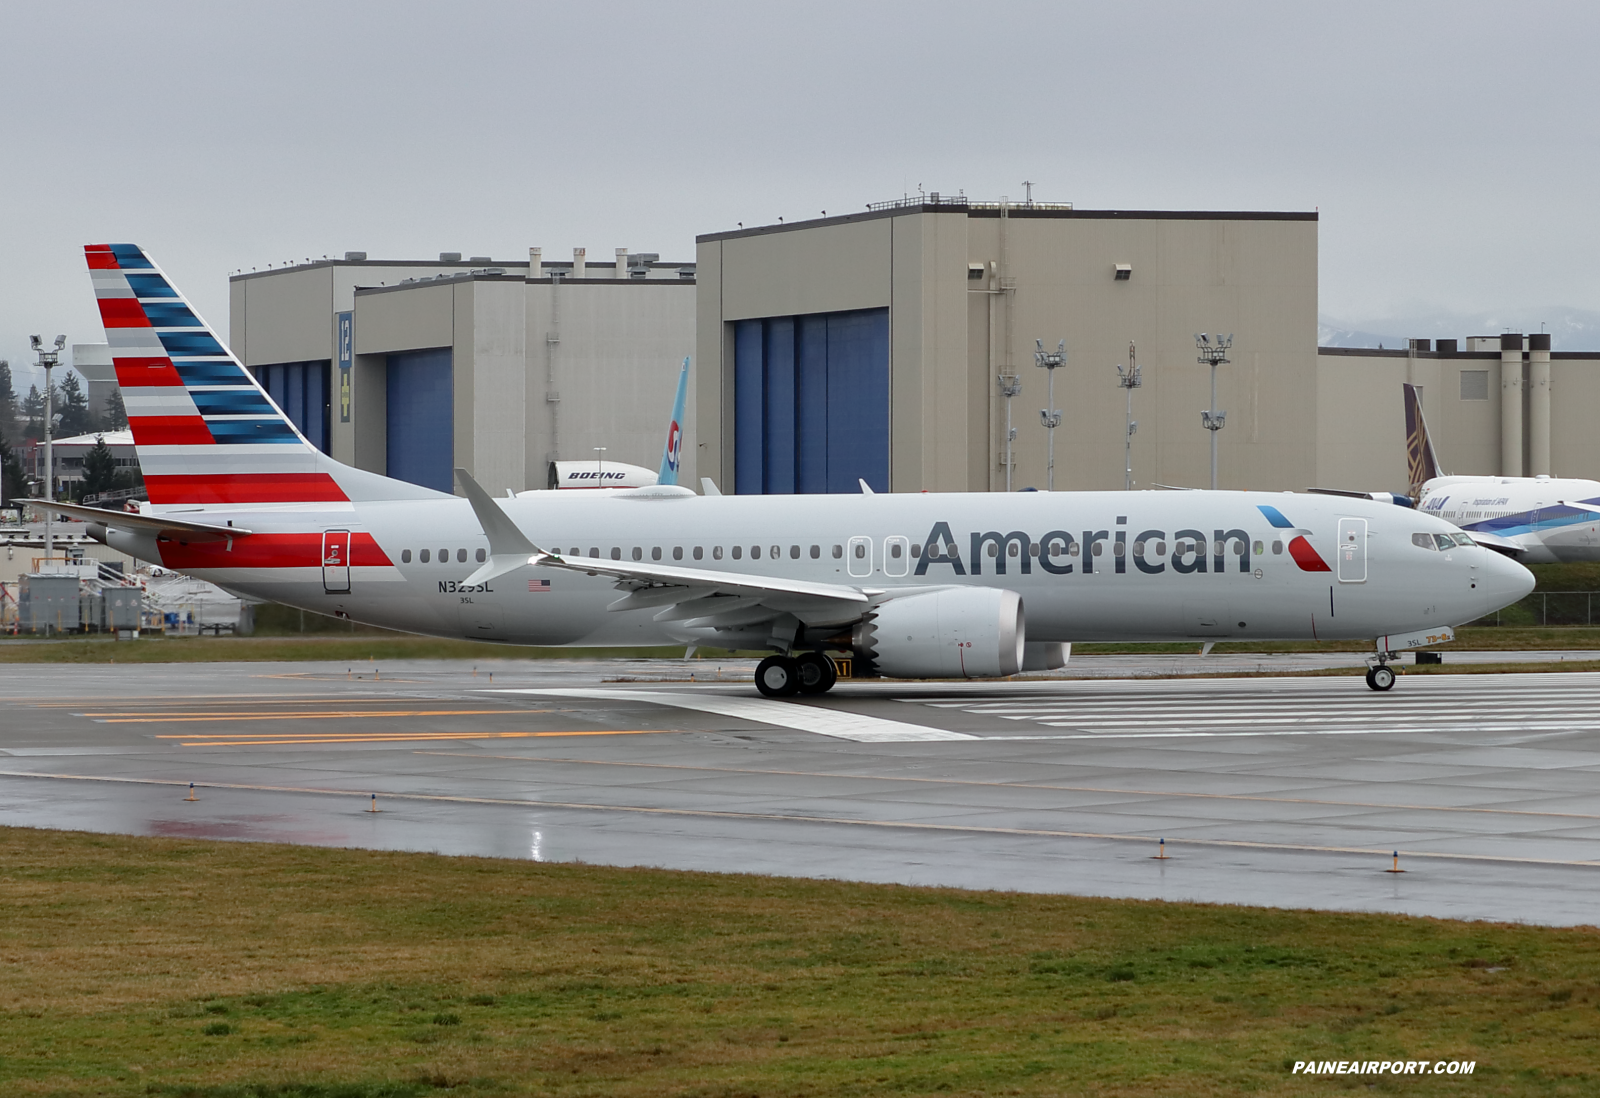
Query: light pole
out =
(1213, 352)
(48, 359)
(1010, 386)
(1050, 416)
(1129, 381)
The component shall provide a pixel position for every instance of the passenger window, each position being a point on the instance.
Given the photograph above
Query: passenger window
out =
(638, 553)
(794, 552)
(1072, 550)
(861, 550)
(1099, 548)
(574, 550)
(423, 556)
(994, 550)
(816, 552)
(1011, 548)
(405, 556)
(461, 556)
(677, 552)
(1138, 548)
(444, 556)
(838, 551)
(738, 551)
(894, 550)
(481, 556)
(616, 553)
(699, 553)
(1119, 550)
(1422, 541)
(776, 552)
(655, 552)
(755, 552)
(916, 549)
(716, 552)
(1258, 548)
(1444, 541)
(593, 551)
(1277, 547)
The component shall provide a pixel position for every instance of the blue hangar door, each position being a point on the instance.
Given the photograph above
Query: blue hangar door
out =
(811, 403)
(421, 417)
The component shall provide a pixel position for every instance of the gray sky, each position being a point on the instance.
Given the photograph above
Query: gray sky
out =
(1450, 147)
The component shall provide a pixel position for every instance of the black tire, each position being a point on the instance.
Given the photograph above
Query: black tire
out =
(778, 677)
(1380, 677)
(817, 673)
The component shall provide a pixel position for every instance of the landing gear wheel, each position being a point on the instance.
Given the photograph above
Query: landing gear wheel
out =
(778, 677)
(1380, 677)
(817, 673)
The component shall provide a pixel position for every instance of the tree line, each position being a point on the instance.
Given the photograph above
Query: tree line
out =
(22, 421)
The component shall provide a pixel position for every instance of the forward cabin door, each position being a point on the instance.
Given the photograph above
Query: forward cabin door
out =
(1352, 550)
(336, 561)
(859, 556)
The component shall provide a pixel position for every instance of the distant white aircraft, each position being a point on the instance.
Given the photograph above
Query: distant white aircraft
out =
(908, 586)
(1538, 520)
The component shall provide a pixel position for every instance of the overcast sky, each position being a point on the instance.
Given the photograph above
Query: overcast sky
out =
(1450, 147)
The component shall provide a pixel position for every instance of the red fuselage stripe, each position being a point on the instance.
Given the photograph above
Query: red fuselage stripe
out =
(269, 551)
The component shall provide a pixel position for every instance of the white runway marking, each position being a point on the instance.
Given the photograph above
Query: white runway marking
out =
(803, 718)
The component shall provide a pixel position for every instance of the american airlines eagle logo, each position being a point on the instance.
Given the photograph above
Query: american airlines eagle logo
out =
(1299, 548)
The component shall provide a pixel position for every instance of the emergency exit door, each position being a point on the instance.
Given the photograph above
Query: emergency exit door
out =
(1352, 550)
(336, 561)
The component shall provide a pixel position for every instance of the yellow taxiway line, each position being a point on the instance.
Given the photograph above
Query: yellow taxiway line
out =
(404, 737)
(182, 718)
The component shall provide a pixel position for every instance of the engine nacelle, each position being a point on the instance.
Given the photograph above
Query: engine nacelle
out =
(954, 632)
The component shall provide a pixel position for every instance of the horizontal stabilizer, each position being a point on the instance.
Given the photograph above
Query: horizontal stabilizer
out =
(161, 525)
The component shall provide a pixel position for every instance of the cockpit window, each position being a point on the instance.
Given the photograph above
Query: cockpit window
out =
(1463, 539)
(1444, 541)
(1422, 541)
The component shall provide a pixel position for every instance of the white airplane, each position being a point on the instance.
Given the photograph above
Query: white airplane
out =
(1537, 520)
(910, 586)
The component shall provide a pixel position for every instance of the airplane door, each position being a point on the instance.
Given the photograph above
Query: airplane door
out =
(859, 556)
(336, 561)
(1352, 550)
(896, 556)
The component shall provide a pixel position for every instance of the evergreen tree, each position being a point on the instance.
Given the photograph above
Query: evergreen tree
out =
(72, 404)
(99, 468)
(10, 429)
(116, 416)
(33, 413)
(14, 486)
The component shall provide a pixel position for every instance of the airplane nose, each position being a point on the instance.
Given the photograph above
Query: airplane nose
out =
(1501, 580)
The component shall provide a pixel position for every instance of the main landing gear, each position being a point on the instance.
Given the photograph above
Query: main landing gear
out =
(784, 677)
(1380, 676)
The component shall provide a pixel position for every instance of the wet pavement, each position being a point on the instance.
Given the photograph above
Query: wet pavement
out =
(1286, 791)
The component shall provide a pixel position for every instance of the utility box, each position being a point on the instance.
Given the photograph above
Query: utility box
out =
(48, 604)
(121, 608)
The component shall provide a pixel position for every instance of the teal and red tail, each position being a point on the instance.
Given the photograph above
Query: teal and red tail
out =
(205, 431)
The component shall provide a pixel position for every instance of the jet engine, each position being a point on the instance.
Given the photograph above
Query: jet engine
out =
(953, 632)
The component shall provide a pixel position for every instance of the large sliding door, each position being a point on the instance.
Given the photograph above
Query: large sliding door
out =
(811, 403)
(421, 418)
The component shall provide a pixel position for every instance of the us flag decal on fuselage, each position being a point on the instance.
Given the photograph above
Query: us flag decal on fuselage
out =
(538, 587)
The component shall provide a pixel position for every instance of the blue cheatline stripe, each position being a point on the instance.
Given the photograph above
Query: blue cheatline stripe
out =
(238, 431)
(174, 315)
(130, 258)
(211, 373)
(190, 343)
(150, 286)
(1275, 517)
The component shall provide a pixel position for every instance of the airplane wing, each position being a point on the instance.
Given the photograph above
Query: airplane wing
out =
(1578, 505)
(161, 525)
(695, 596)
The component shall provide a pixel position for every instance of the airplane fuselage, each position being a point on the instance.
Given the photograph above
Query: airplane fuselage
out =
(1549, 519)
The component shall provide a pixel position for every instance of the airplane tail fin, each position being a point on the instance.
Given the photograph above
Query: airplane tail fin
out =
(1422, 464)
(673, 449)
(204, 429)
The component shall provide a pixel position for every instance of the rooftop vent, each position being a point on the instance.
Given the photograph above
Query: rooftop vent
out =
(482, 260)
(1124, 272)
(686, 271)
(449, 257)
(355, 257)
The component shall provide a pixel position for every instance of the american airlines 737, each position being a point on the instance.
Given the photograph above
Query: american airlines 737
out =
(926, 585)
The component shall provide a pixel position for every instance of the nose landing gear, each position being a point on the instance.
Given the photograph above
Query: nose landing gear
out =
(1380, 676)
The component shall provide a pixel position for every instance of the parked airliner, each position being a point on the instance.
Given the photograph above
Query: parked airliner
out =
(909, 585)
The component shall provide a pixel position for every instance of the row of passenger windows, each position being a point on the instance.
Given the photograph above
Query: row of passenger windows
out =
(426, 555)
(895, 550)
(1440, 542)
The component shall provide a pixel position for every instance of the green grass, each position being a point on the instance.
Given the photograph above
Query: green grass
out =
(163, 967)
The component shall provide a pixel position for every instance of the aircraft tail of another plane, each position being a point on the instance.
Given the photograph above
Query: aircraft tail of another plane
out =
(205, 431)
(1422, 464)
(672, 452)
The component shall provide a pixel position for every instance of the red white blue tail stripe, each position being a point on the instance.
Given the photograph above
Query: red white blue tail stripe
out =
(205, 431)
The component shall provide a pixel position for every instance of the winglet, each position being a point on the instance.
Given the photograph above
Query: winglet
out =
(709, 487)
(866, 489)
(509, 547)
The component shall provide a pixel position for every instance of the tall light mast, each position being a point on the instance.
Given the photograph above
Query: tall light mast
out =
(1050, 416)
(49, 359)
(1129, 380)
(1213, 352)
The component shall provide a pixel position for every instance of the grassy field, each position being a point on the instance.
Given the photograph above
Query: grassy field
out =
(161, 967)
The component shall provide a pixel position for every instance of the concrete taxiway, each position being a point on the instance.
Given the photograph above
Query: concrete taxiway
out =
(1288, 791)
